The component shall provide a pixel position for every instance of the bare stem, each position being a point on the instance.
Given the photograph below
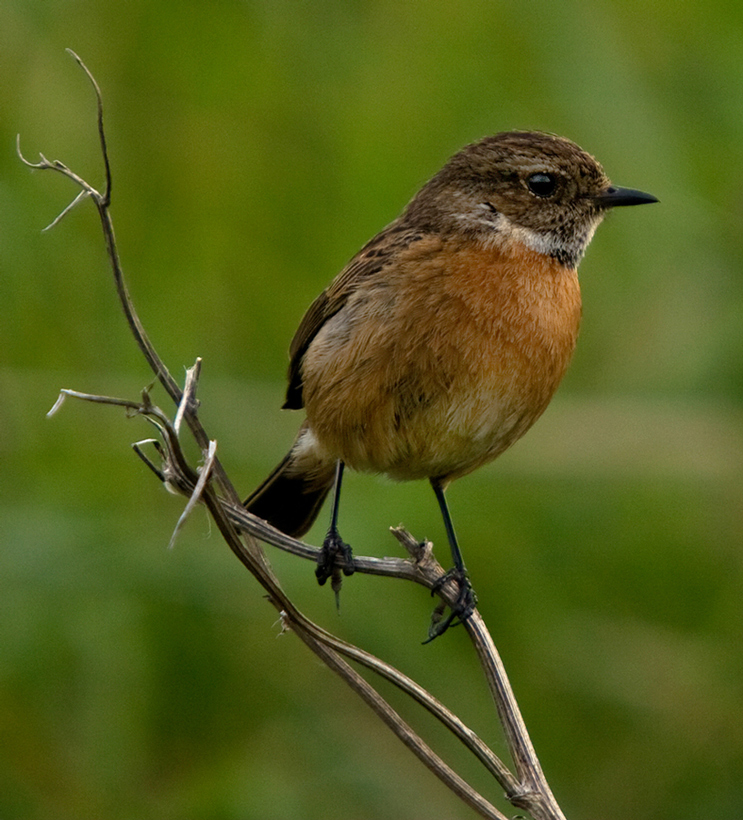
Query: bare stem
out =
(527, 788)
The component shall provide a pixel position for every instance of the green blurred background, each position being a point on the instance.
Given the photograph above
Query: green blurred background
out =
(255, 147)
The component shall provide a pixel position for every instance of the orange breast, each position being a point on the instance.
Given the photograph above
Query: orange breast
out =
(446, 361)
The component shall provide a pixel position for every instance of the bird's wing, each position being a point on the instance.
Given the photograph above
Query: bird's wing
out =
(371, 260)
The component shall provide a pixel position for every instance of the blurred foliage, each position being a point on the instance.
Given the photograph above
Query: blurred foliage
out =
(255, 146)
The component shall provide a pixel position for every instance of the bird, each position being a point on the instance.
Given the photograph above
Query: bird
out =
(444, 338)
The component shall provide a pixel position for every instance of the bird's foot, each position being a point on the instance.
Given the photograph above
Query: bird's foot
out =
(459, 611)
(334, 547)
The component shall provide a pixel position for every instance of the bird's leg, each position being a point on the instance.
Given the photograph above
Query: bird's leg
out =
(333, 544)
(466, 600)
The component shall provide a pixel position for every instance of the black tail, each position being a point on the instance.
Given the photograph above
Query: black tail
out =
(291, 497)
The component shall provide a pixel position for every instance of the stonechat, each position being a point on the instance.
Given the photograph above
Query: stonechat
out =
(443, 340)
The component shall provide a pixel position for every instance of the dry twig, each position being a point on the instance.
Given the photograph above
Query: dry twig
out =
(527, 788)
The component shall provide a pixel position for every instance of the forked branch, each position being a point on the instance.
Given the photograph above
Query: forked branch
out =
(208, 484)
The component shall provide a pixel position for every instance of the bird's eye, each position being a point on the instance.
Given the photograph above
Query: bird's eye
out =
(542, 184)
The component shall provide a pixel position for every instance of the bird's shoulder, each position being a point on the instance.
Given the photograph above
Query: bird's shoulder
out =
(371, 261)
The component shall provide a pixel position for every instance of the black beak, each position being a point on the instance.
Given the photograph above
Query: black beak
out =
(614, 196)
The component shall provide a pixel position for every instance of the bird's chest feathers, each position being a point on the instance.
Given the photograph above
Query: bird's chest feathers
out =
(510, 327)
(514, 319)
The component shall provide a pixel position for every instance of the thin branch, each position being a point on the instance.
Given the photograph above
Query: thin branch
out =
(134, 406)
(75, 202)
(137, 447)
(327, 648)
(528, 789)
(106, 197)
(102, 202)
(486, 756)
(198, 491)
(188, 400)
(313, 635)
(390, 717)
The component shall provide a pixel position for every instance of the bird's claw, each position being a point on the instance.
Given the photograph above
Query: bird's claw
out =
(332, 547)
(459, 611)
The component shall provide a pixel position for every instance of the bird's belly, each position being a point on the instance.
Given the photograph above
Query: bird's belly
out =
(420, 427)
(448, 440)
(448, 380)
